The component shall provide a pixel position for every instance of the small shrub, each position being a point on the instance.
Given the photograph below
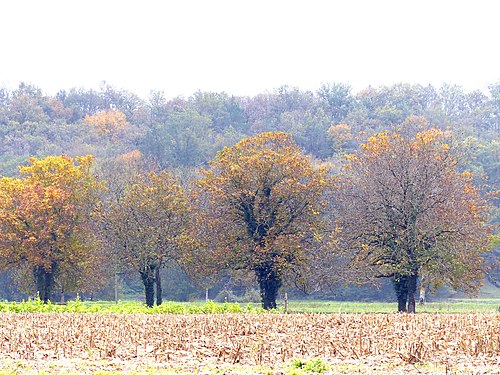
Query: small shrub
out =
(313, 365)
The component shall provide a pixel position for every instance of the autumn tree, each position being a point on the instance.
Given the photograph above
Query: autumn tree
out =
(111, 123)
(263, 202)
(147, 225)
(45, 217)
(405, 211)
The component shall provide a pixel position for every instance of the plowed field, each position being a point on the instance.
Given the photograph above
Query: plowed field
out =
(251, 343)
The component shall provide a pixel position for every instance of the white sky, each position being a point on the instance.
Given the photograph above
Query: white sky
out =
(245, 47)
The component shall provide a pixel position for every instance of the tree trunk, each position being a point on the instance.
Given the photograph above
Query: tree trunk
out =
(148, 279)
(44, 282)
(159, 298)
(412, 292)
(400, 284)
(269, 283)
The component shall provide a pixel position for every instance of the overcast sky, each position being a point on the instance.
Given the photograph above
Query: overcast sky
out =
(247, 47)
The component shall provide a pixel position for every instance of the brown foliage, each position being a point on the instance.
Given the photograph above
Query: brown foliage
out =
(405, 209)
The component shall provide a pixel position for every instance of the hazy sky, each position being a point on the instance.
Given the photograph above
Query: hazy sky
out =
(247, 47)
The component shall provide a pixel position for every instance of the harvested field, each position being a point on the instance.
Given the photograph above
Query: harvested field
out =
(252, 343)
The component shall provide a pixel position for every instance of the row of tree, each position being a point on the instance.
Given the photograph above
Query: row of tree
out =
(400, 207)
(187, 132)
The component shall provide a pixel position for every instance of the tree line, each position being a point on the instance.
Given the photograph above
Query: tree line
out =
(399, 208)
(130, 138)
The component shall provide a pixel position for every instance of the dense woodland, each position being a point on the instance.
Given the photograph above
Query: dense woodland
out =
(145, 148)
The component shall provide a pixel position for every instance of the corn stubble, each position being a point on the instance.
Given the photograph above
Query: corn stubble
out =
(253, 339)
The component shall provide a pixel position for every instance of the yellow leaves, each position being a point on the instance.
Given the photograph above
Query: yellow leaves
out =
(110, 123)
(379, 143)
(48, 206)
(402, 193)
(364, 247)
(428, 136)
(467, 176)
(57, 169)
(351, 157)
(414, 141)
(262, 194)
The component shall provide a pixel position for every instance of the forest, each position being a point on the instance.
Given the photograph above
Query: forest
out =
(110, 195)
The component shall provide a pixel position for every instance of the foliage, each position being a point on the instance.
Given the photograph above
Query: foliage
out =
(406, 211)
(182, 134)
(110, 123)
(261, 207)
(146, 226)
(45, 220)
(314, 365)
(179, 137)
(77, 306)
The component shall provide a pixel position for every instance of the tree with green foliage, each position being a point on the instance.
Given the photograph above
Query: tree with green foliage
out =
(180, 138)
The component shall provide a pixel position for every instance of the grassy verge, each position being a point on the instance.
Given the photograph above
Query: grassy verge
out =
(450, 306)
(210, 307)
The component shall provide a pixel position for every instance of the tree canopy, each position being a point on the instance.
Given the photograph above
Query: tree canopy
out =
(45, 217)
(145, 226)
(405, 210)
(269, 200)
(181, 134)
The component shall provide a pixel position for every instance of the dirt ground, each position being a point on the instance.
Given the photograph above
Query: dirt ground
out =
(250, 343)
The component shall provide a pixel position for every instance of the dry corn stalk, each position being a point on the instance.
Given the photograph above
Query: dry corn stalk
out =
(252, 338)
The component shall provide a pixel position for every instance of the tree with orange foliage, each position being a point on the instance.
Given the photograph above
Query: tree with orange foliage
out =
(111, 123)
(261, 208)
(45, 218)
(406, 211)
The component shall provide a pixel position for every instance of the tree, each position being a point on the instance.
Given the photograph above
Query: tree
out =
(26, 105)
(111, 123)
(263, 203)
(182, 139)
(309, 129)
(337, 99)
(45, 218)
(148, 224)
(81, 102)
(406, 211)
(223, 110)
